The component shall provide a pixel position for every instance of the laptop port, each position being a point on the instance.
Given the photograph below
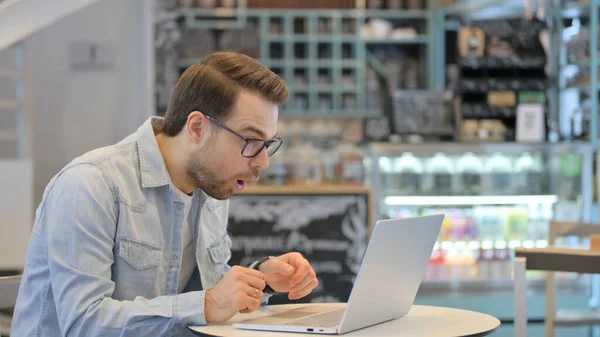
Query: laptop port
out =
(309, 329)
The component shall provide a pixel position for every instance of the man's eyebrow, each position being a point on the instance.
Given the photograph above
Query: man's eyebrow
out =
(256, 130)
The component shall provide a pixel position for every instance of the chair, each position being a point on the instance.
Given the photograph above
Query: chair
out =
(9, 288)
(552, 260)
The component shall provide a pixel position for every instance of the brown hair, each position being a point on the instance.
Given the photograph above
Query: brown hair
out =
(212, 87)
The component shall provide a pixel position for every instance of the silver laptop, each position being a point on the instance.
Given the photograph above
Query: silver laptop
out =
(385, 287)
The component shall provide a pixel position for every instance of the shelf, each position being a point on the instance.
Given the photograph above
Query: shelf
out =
(344, 13)
(476, 111)
(396, 14)
(436, 131)
(306, 189)
(499, 284)
(300, 89)
(313, 63)
(420, 39)
(216, 12)
(393, 200)
(315, 113)
(321, 88)
(481, 86)
(486, 244)
(292, 63)
(502, 63)
(312, 38)
(277, 30)
(332, 63)
(581, 9)
(471, 6)
(480, 148)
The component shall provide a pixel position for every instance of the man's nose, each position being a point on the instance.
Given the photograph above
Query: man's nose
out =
(261, 161)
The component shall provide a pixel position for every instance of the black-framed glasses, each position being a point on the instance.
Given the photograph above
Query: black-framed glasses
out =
(253, 146)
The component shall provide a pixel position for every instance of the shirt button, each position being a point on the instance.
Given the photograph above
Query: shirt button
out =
(174, 257)
(179, 208)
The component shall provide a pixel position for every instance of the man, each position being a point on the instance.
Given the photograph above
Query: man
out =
(132, 237)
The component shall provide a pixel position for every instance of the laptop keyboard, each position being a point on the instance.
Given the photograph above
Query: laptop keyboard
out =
(325, 319)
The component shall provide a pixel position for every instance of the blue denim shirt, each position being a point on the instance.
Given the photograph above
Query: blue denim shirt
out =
(105, 250)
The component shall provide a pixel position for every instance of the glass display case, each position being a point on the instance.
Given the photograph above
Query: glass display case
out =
(495, 196)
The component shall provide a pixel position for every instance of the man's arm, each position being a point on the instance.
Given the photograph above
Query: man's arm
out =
(80, 222)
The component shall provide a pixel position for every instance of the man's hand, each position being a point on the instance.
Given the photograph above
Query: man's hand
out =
(240, 290)
(290, 272)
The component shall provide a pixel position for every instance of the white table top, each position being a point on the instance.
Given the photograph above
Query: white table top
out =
(420, 321)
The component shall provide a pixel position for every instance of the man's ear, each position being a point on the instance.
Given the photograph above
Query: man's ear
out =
(195, 124)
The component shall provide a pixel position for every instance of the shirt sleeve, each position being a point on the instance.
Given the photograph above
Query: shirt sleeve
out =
(81, 218)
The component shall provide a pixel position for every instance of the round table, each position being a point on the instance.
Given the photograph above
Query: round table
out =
(420, 321)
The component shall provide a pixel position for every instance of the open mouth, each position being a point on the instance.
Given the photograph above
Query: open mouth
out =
(240, 185)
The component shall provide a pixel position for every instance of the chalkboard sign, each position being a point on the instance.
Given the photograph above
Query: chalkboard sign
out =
(330, 230)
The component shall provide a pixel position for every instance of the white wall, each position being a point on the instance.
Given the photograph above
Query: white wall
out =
(16, 213)
(20, 18)
(79, 110)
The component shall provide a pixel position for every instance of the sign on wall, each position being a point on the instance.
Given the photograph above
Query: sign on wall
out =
(330, 231)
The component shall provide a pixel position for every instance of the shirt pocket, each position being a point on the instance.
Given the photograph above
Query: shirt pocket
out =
(220, 250)
(139, 255)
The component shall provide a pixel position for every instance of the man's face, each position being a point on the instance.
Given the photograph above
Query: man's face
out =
(218, 167)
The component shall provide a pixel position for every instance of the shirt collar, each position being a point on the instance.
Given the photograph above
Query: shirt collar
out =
(152, 165)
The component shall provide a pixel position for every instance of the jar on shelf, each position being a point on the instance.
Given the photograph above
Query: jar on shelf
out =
(388, 178)
(276, 173)
(329, 163)
(469, 171)
(439, 174)
(498, 173)
(409, 170)
(305, 165)
(529, 174)
(350, 168)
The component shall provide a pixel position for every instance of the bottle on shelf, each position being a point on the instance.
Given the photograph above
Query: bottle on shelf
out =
(458, 224)
(439, 175)
(350, 168)
(452, 262)
(481, 220)
(485, 260)
(446, 230)
(276, 173)
(466, 259)
(529, 174)
(470, 259)
(388, 178)
(305, 165)
(329, 162)
(408, 171)
(469, 171)
(498, 170)
(500, 260)
(436, 262)
(517, 222)
(471, 232)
